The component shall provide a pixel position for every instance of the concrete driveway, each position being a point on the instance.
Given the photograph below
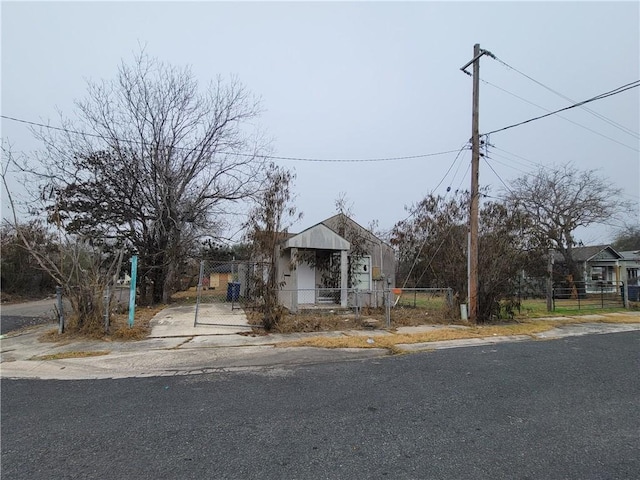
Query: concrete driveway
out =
(213, 319)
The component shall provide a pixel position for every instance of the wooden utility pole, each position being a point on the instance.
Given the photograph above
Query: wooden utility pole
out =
(475, 173)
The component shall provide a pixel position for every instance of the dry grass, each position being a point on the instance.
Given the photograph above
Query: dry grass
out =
(404, 316)
(141, 324)
(192, 292)
(337, 320)
(391, 340)
(606, 318)
(118, 329)
(189, 296)
(63, 355)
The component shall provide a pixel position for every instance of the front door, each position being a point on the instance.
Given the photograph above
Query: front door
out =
(306, 283)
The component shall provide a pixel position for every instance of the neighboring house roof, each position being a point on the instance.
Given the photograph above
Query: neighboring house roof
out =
(340, 220)
(631, 255)
(587, 254)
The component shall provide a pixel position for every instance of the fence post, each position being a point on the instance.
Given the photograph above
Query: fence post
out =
(387, 307)
(625, 294)
(602, 295)
(198, 293)
(585, 291)
(60, 310)
(357, 295)
(519, 294)
(107, 298)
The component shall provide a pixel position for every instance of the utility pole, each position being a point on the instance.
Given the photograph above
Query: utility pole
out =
(475, 173)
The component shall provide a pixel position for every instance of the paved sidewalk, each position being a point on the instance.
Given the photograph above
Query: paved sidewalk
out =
(176, 347)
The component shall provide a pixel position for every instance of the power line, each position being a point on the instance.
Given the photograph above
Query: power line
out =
(610, 93)
(562, 117)
(466, 172)
(270, 157)
(413, 212)
(496, 174)
(506, 164)
(594, 113)
(451, 166)
(458, 169)
(535, 164)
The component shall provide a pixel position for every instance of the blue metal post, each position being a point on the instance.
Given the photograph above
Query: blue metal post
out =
(132, 291)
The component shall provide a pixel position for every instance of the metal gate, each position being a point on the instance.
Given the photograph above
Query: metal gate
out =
(223, 287)
(585, 296)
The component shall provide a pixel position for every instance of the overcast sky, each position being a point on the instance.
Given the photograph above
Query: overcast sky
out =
(360, 81)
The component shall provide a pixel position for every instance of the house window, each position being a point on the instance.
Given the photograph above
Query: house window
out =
(597, 273)
(602, 274)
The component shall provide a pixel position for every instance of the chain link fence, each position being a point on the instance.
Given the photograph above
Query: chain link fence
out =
(386, 307)
(231, 288)
(225, 290)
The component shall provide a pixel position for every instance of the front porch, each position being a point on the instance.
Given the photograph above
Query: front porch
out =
(314, 270)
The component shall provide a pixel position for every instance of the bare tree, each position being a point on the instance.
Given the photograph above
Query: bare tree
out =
(561, 199)
(267, 226)
(432, 246)
(356, 236)
(152, 163)
(627, 238)
(21, 273)
(82, 269)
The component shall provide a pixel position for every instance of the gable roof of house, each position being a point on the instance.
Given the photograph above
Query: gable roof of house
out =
(319, 237)
(341, 219)
(334, 224)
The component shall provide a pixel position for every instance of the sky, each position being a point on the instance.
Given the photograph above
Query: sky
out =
(361, 81)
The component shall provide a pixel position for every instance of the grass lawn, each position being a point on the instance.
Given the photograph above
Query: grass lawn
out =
(537, 308)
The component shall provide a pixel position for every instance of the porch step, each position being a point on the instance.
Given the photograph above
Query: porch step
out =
(325, 300)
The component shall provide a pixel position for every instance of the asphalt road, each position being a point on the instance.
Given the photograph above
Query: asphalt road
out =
(15, 316)
(9, 323)
(19, 315)
(562, 409)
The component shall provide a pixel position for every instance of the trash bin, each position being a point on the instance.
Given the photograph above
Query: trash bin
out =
(233, 291)
(634, 293)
